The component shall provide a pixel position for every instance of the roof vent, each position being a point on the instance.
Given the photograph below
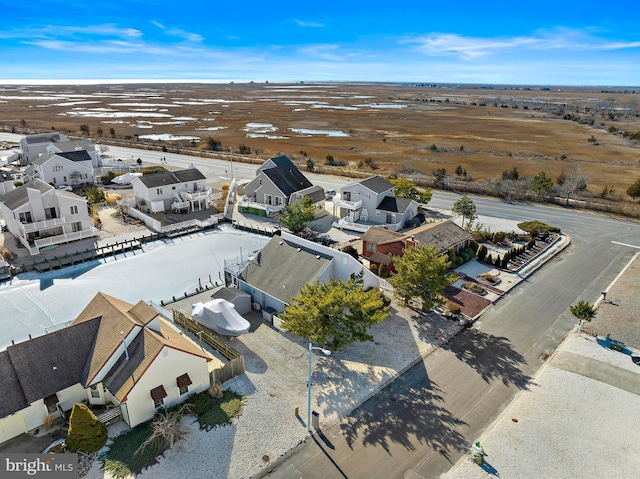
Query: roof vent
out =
(280, 242)
(299, 250)
(317, 256)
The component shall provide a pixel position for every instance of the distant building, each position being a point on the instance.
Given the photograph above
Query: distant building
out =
(33, 146)
(66, 168)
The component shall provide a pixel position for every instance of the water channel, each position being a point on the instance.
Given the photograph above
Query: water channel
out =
(33, 303)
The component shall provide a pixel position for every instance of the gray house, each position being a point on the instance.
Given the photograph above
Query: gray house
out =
(278, 182)
(370, 202)
(286, 264)
(33, 146)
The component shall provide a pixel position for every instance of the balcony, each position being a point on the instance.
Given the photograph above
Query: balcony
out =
(362, 227)
(42, 225)
(350, 205)
(65, 238)
(244, 202)
(196, 195)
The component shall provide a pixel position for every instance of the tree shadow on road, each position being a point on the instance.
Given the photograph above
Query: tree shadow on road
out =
(402, 415)
(493, 357)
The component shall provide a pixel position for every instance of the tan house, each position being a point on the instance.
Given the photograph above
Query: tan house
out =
(379, 243)
(121, 356)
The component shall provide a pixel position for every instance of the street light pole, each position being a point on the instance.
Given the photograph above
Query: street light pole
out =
(231, 160)
(326, 353)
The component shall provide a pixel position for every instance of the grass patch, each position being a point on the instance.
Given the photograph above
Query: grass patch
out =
(537, 227)
(121, 460)
(219, 411)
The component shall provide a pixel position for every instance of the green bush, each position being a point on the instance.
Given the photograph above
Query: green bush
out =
(107, 177)
(505, 261)
(459, 261)
(482, 252)
(536, 228)
(489, 259)
(373, 268)
(199, 402)
(467, 254)
(474, 246)
(498, 237)
(85, 432)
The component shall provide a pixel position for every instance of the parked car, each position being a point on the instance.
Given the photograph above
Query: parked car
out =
(329, 194)
(65, 187)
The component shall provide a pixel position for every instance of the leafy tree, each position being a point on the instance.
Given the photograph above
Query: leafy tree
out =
(85, 432)
(351, 251)
(336, 313)
(244, 149)
(512, 174)
(139, 161)
(330, 160)
(583, 311)
(541, 184)
(85, 129)
(466, 208)
(99, 131)
(298, 214)
(404, 188)
(634, 190)
(112, 132)
(95, 195)
(310, 164)
(421, 272)
(107, 177)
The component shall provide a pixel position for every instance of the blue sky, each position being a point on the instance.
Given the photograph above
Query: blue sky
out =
(539, 42)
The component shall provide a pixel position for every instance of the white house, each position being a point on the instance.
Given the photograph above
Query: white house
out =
(64, 168)
(114, 354)
(77, 145)
(371, 202)
(287, 263)
(40, 215)
(8, 178)
(174, 190)
(33, 146)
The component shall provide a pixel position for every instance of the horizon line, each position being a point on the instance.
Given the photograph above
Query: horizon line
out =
(71, 81)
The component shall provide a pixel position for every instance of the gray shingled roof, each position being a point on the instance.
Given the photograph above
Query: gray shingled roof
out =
(72, 145)
(229, 294)
(76, 155)
(286, 176)
(281, 269)
(443, 235)
(156, 180)
(19, 197)
(44, 365)
(377, 184)
(43, 138)
(316, 193)
(394, 205)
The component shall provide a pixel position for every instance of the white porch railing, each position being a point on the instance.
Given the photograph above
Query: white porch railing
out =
(246, 203)
(66, 238)
(180, 205)
(345, 223)
(351, 205)
(196, 195)
(42, 225)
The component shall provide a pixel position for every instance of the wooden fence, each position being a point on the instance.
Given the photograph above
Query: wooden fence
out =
(233, 368)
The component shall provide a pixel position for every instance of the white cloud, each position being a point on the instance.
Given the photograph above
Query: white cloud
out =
(303, 23)
(443, 44)
(177, 32)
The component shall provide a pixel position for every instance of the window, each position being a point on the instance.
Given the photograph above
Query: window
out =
(57, 168)
(183, 383)
(25, 217)
(74, 209)
(77, 226)
(95, 393)
(371, 247)
(158, 191)
(346, 196)
(268, 200)
(278, 200)
(158, 394)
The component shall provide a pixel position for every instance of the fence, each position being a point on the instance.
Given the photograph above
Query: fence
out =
(233, 368)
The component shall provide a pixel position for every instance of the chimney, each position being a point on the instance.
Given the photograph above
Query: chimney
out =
(126, 351)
